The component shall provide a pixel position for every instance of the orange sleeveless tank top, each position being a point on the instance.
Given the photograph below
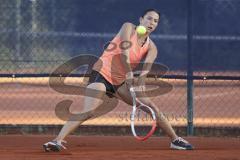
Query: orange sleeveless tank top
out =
(110, 65)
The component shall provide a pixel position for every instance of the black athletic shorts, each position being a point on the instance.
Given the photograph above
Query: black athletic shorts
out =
(97, 77)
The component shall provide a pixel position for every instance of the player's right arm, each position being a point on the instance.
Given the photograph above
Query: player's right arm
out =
(125, 35)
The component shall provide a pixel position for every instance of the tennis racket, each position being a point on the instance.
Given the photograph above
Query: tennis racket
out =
(133, 115)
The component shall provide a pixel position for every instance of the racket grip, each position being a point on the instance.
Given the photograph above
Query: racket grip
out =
(131, 89)
(132, 92)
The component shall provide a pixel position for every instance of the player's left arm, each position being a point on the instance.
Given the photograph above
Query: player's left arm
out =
(148, 62)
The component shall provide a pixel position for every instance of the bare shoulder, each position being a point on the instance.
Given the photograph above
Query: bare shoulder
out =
(128, 24)
(152, 52)
(152, 45)
(127, 27)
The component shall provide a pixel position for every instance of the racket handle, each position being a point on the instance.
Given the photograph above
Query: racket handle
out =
(133, 94)
(131, 90)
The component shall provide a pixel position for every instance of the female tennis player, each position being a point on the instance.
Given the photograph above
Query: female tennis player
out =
(112, 76)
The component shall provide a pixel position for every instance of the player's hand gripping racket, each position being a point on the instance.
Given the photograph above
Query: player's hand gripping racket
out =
(133, 115)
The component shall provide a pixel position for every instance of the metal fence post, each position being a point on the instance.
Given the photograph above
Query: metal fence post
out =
(18, 23)
(189, 72)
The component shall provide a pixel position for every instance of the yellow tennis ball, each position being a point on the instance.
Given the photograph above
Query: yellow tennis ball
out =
(141, 30)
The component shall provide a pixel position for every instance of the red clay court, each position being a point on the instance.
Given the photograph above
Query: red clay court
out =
(25, 147)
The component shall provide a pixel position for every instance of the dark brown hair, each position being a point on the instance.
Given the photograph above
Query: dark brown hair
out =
(151, 10)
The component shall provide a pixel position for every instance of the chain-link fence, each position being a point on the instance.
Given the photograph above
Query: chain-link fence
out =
(38, 36)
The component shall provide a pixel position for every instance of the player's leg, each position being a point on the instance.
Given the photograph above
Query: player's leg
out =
(124, 94)
(92, 108)
(89, 104)
(177, 142)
